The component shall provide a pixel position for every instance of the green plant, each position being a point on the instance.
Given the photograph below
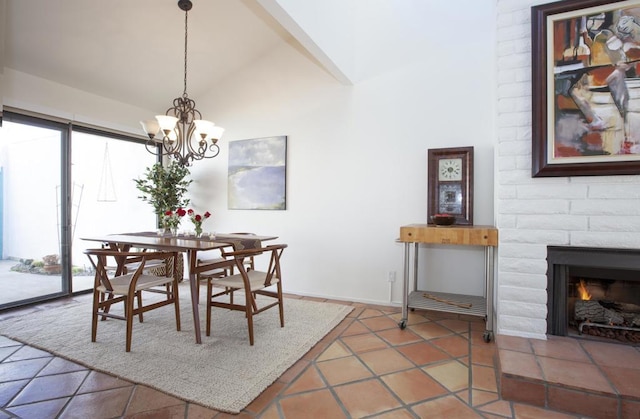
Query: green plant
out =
(164, 187)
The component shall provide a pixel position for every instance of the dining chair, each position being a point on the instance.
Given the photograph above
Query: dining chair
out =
(155, 267)
(219, 266)
(111, 287)
(253, 283)
(166, 268)
(249, 262)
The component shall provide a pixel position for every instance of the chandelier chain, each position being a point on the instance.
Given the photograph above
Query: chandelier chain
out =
(186, 32)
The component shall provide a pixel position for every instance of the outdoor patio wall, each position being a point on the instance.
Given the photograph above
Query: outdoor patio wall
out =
(535, 213)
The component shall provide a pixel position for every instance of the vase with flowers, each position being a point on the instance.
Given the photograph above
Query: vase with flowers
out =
(197, 220)
(172, 219)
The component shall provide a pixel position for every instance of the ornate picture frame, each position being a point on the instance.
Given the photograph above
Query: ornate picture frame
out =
(584, 67)
(450, 183)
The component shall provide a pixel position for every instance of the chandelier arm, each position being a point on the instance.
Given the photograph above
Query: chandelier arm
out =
(152, 147)
(170, 146)
(216, 151)
(190, 139)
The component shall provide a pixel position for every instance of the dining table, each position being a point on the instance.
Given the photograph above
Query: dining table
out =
(189, 244)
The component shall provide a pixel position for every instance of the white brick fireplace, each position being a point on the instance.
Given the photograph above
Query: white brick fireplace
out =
(533, 213)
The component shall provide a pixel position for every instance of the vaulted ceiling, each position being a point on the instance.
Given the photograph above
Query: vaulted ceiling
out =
(133, 50)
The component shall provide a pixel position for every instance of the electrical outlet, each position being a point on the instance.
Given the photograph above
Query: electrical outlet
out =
(392, 276)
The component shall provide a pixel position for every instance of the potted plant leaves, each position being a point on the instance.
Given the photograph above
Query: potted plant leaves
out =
(164, 187)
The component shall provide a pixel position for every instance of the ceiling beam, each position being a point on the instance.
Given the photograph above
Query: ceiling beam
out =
(326, 52)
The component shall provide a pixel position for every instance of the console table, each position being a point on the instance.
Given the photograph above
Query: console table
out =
(485, 236)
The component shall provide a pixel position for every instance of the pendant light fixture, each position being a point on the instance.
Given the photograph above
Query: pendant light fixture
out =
(181, 133)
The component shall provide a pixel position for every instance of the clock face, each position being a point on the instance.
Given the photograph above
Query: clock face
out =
(450, 169)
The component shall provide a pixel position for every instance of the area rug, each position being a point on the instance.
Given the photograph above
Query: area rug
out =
(223, 373)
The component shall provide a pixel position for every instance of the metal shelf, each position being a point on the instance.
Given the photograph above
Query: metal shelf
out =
(478, 304)
(413, 235)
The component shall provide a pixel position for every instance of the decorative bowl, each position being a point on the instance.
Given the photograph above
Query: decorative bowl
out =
(443, 219)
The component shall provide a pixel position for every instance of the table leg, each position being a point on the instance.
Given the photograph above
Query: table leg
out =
(405, 288)
(193, 284)
(415, 267)
(488, 277)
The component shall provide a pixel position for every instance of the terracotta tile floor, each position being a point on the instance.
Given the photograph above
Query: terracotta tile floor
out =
(587, 377)
(438, 367)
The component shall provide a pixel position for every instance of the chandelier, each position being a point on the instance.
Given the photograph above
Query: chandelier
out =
(181, 133)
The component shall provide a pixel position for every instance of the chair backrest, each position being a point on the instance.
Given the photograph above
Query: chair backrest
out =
(274, 251)
(137, 260)
(247, 242)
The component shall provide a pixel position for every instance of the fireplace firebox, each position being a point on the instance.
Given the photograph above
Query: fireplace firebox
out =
(594, 293)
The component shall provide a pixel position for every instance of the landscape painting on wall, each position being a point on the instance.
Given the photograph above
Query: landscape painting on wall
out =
(586, 88)
(257, 174)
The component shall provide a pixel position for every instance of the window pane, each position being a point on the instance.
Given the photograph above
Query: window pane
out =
(30, 222)
(105, 198)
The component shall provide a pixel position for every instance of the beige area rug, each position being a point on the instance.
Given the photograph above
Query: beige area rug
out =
(223, 373)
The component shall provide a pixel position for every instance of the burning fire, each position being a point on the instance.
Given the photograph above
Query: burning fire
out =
(582, 290)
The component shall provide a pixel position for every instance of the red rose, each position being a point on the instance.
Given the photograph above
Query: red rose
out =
(190, 212)
(168, 213)
(207, 214)
(198, 217)
(181, 212)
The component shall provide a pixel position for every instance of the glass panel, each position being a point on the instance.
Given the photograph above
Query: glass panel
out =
(30, 206)
(105, 198)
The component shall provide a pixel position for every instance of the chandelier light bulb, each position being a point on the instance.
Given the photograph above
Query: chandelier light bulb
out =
(150, 127)
(203, 129)
(216, 134)
(167, 123)
(171, 136)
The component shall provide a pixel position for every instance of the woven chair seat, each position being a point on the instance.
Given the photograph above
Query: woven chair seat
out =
(256, 281)
(120, 284)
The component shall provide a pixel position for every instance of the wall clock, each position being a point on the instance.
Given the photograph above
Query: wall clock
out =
(450, 183)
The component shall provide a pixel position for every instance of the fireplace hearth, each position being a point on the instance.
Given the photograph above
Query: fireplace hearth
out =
(594, 293)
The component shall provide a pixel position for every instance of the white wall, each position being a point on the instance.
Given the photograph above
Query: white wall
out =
(35, 94)
(534, 213)
(356, 155)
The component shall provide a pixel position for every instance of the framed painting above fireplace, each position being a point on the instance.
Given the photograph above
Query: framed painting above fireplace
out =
(586, 88)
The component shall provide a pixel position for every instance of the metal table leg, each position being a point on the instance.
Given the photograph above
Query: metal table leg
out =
(405, 288)
(488, 277)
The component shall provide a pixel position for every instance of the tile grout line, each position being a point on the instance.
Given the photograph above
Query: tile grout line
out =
(619, 397)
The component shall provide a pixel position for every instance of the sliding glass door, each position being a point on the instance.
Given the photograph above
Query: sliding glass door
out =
(105, 195)
(60, 183)
(32, 205)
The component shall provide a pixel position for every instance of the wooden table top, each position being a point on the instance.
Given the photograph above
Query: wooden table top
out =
(182, 243)
(456, 234)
